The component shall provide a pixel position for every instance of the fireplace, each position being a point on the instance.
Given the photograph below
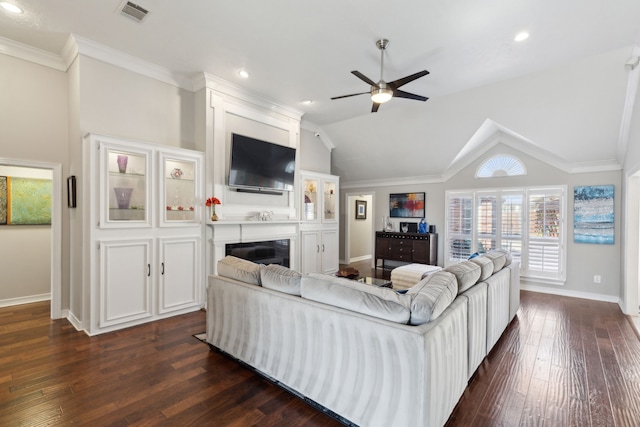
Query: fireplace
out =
(269, 252)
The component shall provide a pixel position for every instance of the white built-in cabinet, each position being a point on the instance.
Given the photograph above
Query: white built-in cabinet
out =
(144, 224)
(319, 222)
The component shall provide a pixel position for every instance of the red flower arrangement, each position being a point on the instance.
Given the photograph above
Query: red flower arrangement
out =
(212, 201)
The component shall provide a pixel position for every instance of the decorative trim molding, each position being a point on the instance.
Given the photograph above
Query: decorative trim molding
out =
(312, 127)
(31, 54)
(230, 89)
(627, 112)
(25, 300)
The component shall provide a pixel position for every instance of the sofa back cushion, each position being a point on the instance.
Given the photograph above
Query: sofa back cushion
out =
(280, 278)
(467, 274)
(508, 257)
(383, 303)
(240, 269)
(486, 267)
(498, 258)
(431, 296)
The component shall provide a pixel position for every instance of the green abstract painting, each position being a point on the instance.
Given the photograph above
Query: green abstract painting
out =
(25, 201)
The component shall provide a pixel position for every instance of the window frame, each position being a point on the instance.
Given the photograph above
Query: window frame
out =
(557, 277)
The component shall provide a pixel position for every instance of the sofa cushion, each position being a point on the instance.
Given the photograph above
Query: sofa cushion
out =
(467, 274)
(498, 258)
(486, 267)
(508, 256)
(383, 303)
(240, 269)
(280, 278)
(431, 296)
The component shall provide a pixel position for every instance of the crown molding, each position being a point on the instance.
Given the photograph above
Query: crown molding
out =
(387, 182)
(31, 54)
(111, 56)
(633, 80)
(235, 91)
(320, 133)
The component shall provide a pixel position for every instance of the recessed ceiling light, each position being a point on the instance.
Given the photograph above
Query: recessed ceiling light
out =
(10, 7)
(521, 36)
(307, 102)
(244, 74)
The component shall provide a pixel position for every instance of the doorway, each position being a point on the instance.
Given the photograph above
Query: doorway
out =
(54, 171)
(359, 230)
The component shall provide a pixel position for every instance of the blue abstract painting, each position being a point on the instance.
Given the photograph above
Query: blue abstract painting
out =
(593, 219)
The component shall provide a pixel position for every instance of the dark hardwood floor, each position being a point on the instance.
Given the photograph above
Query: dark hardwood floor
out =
(561, 362)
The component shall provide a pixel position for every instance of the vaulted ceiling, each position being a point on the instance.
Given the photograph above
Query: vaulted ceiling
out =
(564, 90)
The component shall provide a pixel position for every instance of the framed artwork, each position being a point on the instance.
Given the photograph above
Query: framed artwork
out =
(71, 191)
(25, 201)
(361, 209)
(593, 216)
(406, 205)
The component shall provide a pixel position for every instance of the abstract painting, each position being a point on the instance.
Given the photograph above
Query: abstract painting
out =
(406, 205)
(25, 201)
(593, 216)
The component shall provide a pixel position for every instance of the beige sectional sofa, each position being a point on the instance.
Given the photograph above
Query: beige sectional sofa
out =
(372, 356)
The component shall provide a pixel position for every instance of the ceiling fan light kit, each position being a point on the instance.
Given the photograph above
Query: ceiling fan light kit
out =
(382, 91)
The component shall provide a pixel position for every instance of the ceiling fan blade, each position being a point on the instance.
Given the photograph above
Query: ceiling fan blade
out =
(364, 78)
(403, 81)
(403, 94)
(346, 96)
(374, 107)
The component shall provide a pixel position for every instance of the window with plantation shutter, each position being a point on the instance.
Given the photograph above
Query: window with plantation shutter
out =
(459, 226)
(528, 222)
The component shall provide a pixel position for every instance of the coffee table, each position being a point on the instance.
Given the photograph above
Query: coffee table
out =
(374, 281)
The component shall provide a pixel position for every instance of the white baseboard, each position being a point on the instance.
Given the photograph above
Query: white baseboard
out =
(75, 322)
(568, 293)
(360, 258)
(25, 300)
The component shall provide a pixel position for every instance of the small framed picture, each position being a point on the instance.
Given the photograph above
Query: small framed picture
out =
(71, 191)
(361, 209)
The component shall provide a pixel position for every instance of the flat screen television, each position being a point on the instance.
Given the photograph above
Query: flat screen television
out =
(257, 164)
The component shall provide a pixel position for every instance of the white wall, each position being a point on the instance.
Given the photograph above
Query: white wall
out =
(314, 155)
(33, 126)
(583, 260)
(360, 231)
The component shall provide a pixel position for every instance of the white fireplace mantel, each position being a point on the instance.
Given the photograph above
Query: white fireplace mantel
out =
(225, 232)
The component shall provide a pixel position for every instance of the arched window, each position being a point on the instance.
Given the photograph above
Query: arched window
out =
(501, 165)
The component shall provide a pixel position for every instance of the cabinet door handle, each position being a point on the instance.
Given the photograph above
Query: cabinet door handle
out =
(148, 270)
(323, 247)
(162, 269)
(318, 248)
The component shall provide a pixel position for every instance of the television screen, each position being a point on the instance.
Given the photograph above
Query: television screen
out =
(261, 164)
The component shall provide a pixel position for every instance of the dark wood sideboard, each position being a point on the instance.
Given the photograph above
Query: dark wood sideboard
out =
(407, 247)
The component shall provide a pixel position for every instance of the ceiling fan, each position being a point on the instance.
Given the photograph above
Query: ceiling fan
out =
(383, 91)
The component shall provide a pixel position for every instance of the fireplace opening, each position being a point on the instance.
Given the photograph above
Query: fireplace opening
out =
(270, 252)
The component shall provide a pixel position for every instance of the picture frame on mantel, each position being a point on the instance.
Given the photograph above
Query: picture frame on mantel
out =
(407, 205)
(361, 209)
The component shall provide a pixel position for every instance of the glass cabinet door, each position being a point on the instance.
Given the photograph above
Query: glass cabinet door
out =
(178, 190)
(125, 187)
(310, 202)
(329, 191)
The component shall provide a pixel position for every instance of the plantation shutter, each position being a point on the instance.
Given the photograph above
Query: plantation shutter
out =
(511, 221)
(459, 227)
(486, 222)
(544, 235)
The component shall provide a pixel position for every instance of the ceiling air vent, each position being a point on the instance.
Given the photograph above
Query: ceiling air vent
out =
(134, 11)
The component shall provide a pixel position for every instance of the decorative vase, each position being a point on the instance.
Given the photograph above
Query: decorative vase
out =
(122, 163)
(123, 196)
(214, 217)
